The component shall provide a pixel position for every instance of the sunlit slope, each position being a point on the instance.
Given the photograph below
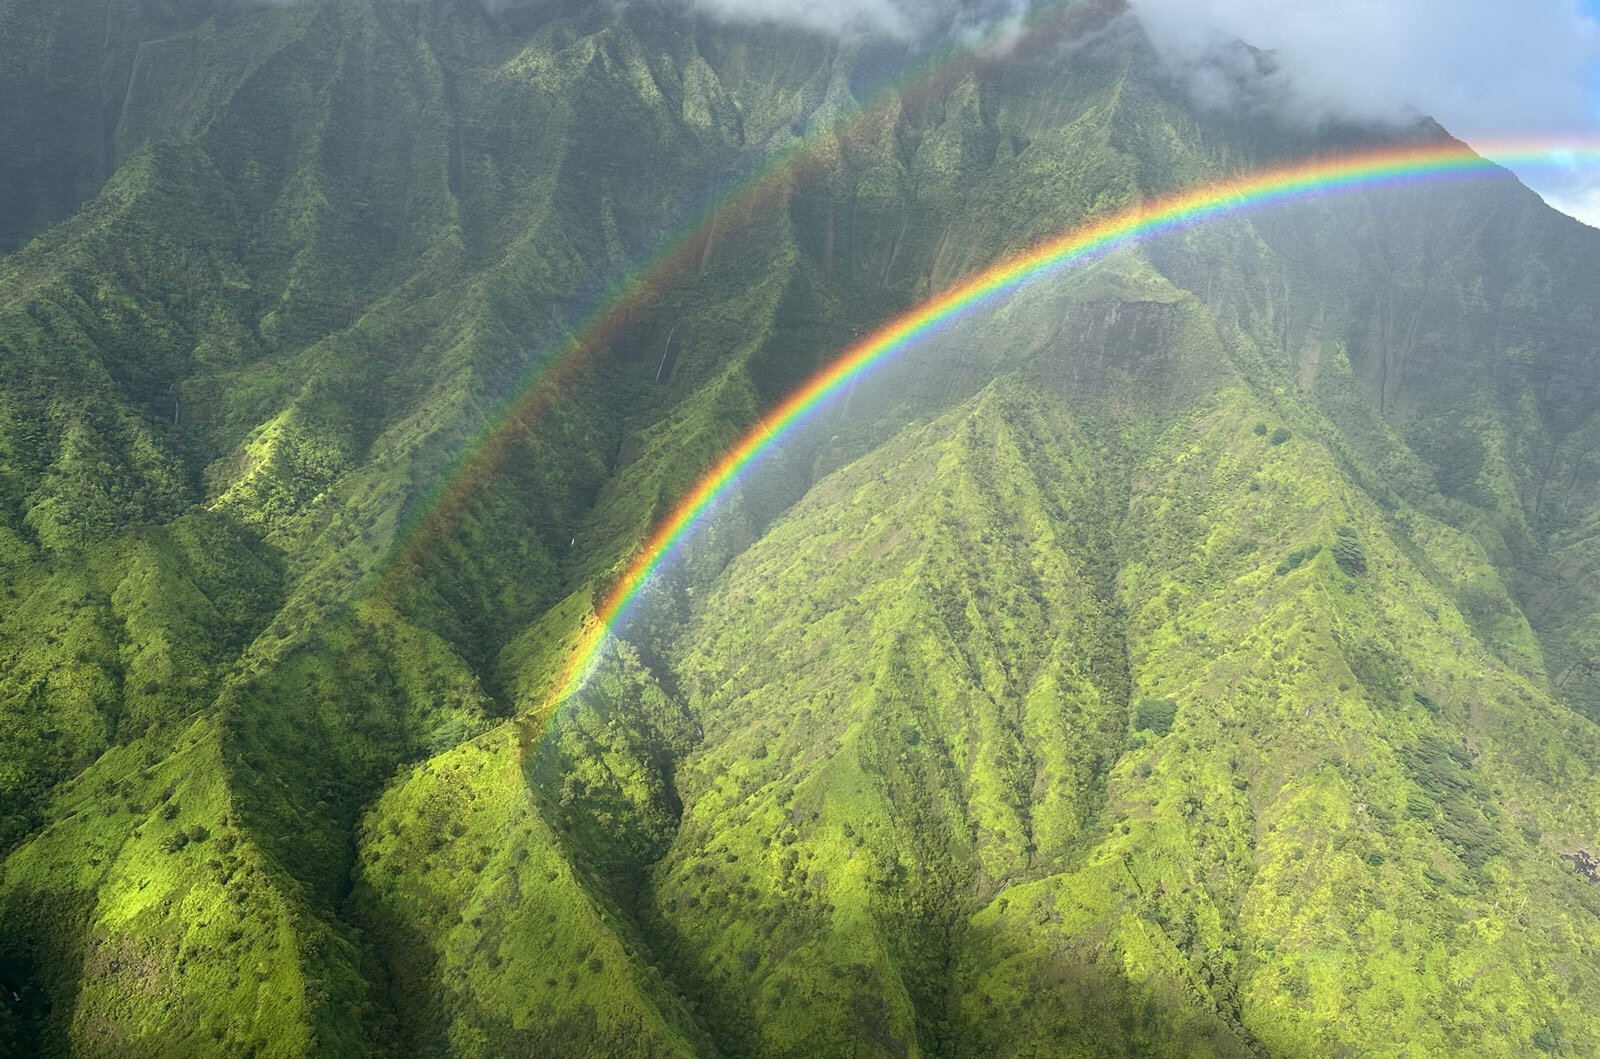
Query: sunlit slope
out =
(144, 920)
(498, 938)
(932, 806)
(927, 714)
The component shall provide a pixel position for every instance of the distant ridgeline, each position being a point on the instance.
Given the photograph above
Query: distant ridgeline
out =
(576, 529)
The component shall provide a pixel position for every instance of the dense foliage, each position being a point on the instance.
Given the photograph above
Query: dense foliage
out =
(1198, 654)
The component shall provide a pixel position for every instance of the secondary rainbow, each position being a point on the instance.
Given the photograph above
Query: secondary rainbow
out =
(1411, 163)
(684, 251)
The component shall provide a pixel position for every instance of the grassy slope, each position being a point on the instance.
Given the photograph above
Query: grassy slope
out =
(1350, 837)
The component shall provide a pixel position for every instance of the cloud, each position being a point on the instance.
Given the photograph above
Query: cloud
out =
(905, 20)
(848, 17)
(1482, 67)
(1486, 69)
(1582, 202)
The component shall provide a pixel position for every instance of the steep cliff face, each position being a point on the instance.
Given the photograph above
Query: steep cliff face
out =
(1197, 654)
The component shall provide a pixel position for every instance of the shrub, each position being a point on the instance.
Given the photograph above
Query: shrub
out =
(1280, 435)
(1348, 553)
(1297, 559)
(1155, 715)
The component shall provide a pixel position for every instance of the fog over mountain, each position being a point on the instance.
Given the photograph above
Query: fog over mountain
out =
(909, 20)
(1482, 67)
(1486, 69)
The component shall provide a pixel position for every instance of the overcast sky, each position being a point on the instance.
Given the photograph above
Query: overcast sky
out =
(1486, 69)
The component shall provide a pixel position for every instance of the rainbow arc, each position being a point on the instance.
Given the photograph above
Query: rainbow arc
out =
(1297, 182)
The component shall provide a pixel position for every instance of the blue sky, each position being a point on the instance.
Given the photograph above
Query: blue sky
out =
(1577, 192)
(1578, 195)
(1592, 9)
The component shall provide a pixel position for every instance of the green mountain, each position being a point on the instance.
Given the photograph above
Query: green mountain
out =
(1197, 654)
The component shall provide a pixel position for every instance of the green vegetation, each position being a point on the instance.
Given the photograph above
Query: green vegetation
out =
(1347, 552)
(1155, 715)
(1198, 654)
(1298, 558)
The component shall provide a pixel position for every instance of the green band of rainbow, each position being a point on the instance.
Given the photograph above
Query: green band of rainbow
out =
(1292, 183)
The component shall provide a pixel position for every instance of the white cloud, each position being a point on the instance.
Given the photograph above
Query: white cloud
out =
(1483, 67)
(1488, 70)
(838, 16)
(899, 19)
(1582, 203)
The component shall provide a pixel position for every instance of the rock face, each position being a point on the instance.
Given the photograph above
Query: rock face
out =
(1194, 655)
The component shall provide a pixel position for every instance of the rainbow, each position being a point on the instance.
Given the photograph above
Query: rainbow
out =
(1411, 163)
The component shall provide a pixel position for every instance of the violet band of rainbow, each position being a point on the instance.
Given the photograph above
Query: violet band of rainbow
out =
(1252, 191)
